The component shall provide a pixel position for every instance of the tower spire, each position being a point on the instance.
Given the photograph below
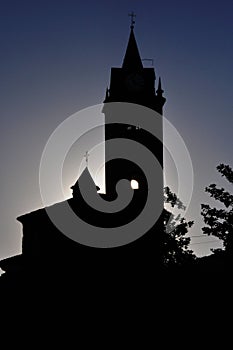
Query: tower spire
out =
(132, 59)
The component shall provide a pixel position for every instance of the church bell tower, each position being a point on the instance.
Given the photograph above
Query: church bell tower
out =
(135, 84)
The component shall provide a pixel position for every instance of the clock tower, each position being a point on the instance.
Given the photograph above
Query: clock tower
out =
(135, 84)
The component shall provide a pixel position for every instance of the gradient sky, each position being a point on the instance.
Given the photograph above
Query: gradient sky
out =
(56, 58)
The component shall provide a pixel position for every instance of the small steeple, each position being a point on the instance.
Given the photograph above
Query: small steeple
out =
(132, 59)
(85, 181)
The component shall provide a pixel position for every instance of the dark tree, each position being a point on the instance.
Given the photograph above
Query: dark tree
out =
(175, 243)
(220, 221)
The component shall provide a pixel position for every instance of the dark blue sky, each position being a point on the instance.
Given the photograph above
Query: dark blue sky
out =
(56, 58)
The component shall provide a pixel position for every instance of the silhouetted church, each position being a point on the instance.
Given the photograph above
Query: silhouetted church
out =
(47, 251)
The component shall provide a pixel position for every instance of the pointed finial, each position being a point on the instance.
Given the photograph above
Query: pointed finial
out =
(107, 93)
(132, 15)
(160, 84)
(160, 90)
(161, 98)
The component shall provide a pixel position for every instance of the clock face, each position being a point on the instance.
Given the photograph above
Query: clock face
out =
(135, 82)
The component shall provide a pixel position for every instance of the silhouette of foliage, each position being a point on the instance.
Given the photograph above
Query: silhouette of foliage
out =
(175, 243)
(220, 221)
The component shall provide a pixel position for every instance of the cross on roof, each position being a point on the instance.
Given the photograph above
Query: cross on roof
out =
(132, 15)
(86, 155)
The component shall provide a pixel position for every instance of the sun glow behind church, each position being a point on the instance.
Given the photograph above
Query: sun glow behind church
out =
(54, 64)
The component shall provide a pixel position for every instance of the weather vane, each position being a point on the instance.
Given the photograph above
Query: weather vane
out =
(132, 15)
